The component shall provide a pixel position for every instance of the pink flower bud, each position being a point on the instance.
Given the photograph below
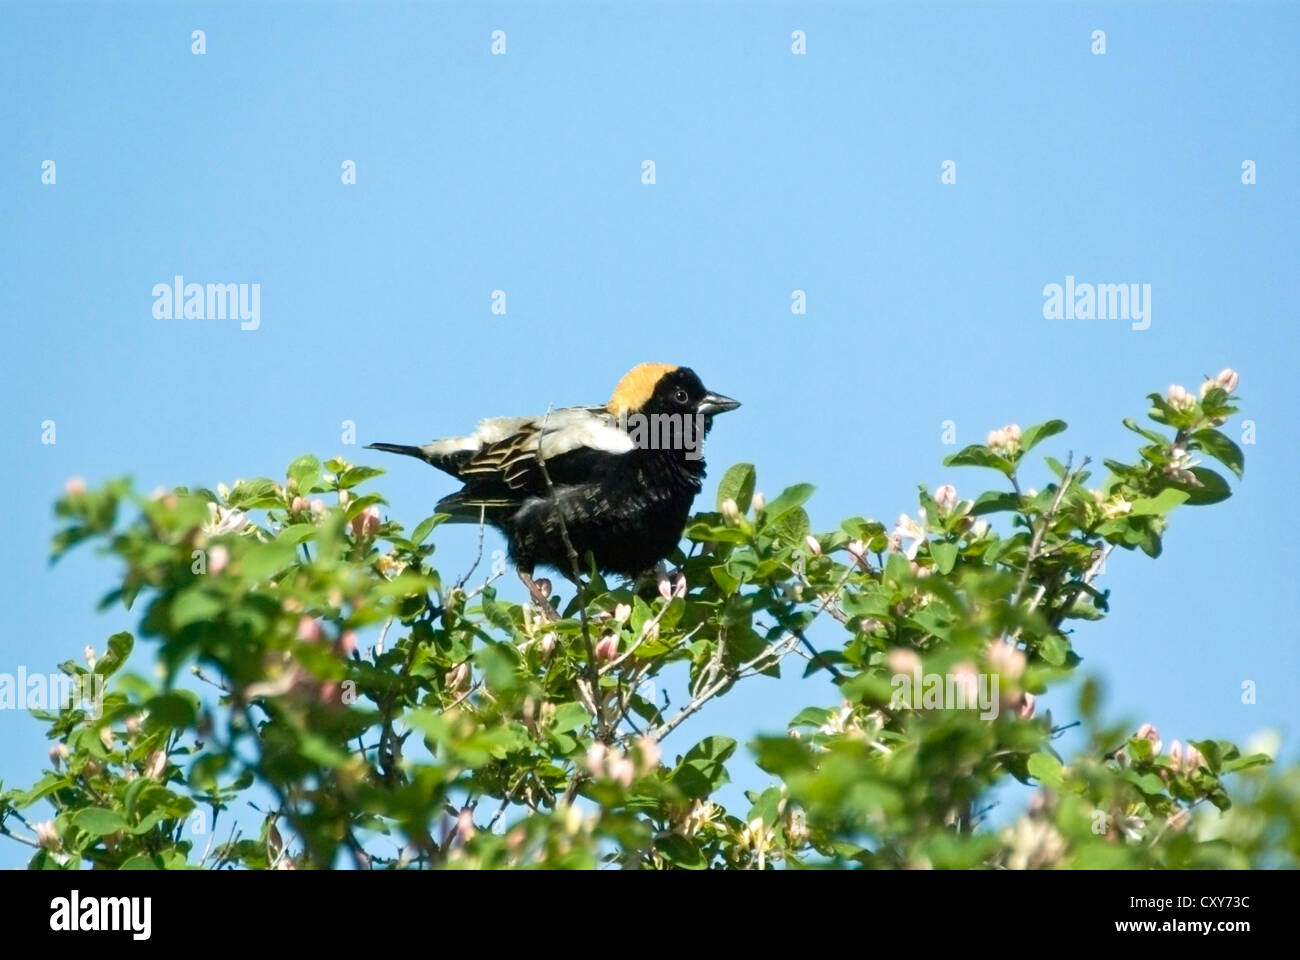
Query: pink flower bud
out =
(1228, 379)
(648, 754)
(665, 587)
(1025, 708)
(595, 761)
(1006, 660)
(366, 523)
(945, 498)
(58, 753)
(1151, 735)
(309, 630)
(622, 771)
(730, 512)
(1192, 759)
(318, 508)
(1176, 755)
(347, 642)
(622, 611)
(758, 502)
(218, 559)
(903, 660)
(75, 486)
(606, 648)
(813, 544)
(465, 826)
(298, 505)
(547, 645)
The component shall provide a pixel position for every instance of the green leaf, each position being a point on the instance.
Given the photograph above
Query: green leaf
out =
(1212, 488)
(790, 498)
(738, 484)
(1046, 769)
(712, 748)
(978, 455)
(119, 648)
(1160, 504)
(98, 820)
(945, 556)
(1142, 431)
(427, 525)
(1053, 649)
(306, 471)
(680, 852)
(267, 559)
(1031, 437)
(177, 709)
(1245, 763)
(698, 778)
(296, 534)
(1222, 449)
(994, 502)
(193, 605)
(352, 476)
(570, 716)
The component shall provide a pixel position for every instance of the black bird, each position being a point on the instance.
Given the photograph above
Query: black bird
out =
(621, 476)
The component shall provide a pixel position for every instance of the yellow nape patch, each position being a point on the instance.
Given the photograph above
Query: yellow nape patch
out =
(636, 388)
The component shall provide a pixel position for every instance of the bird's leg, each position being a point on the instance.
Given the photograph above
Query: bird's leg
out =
(540, 591)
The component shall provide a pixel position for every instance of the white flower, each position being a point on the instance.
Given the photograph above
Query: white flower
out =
(1005, 441)
(1179, 398)
(908, 529)
(838, 721)
(224, 520)
(46, 835)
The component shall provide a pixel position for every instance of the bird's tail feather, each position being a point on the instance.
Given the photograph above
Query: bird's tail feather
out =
(402, 448)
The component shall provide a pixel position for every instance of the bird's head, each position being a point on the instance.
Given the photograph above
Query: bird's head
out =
(661, 388)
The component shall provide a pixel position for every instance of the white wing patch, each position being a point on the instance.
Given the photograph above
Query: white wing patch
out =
(559, 432)
(581, 427)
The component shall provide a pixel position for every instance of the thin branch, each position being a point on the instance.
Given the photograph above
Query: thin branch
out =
(593, 673)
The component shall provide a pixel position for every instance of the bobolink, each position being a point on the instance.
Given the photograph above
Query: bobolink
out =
(619, 479)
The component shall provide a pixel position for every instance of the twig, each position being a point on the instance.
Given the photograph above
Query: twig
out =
(593, 673)
(482, 523)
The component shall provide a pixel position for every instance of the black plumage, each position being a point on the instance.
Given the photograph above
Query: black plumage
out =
(622, 477)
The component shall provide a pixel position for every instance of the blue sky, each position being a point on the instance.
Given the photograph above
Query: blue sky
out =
(775, 172)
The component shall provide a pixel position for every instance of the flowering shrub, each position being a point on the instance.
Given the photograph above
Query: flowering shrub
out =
(312, 660)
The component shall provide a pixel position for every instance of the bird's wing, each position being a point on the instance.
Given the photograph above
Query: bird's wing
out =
(507, 449)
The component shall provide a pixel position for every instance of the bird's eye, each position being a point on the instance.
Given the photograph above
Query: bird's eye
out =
(681, 397)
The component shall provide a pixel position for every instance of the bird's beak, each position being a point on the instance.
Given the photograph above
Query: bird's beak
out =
(715, 403)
